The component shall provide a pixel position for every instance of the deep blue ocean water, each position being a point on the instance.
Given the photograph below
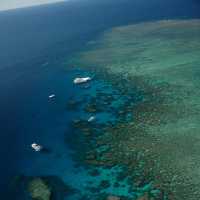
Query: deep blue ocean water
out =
(34, 42)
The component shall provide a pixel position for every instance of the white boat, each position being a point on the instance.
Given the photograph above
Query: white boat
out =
(82, 80)
(92, 118)
(36, 147)
(52, 96)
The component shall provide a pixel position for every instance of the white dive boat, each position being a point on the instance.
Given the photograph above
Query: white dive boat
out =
(36, 147)
(52, 96)
(82, 80)
(91, 119)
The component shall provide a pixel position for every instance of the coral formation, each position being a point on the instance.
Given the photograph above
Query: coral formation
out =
(160, 146)
(39, 190)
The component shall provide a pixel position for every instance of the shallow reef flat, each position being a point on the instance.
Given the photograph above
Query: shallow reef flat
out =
(162, 143)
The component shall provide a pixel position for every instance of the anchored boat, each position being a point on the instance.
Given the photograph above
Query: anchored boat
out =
(82, 80)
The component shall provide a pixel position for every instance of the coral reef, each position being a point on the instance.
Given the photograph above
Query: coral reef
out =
(160, 146)
(113, 198)
(42, 187)
(39, 190)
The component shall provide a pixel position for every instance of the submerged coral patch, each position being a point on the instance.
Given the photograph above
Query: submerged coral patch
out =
(157, 139)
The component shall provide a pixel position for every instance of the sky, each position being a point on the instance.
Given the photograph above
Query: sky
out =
(12, 4)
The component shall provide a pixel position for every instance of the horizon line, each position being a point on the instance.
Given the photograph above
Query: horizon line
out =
(33, 5)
